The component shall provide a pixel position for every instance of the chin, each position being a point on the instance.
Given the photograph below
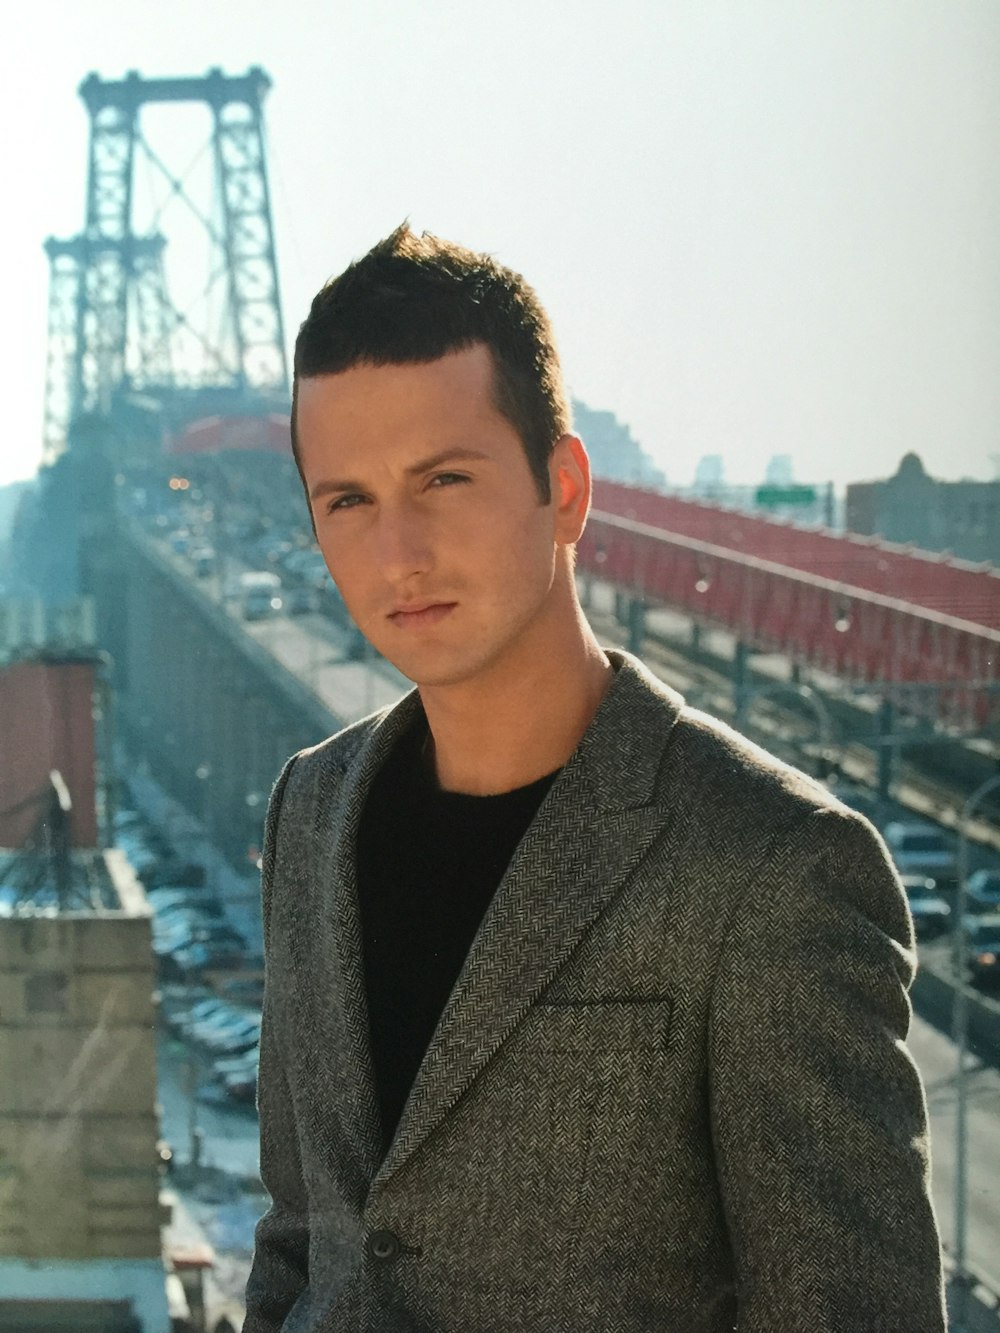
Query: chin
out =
(436, 671)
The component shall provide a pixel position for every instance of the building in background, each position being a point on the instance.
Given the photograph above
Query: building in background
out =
(80, 1210)
(778, 496)
(962, 517)
(614, 451)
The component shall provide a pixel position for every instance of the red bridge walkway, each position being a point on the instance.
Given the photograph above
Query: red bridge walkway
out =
(866, 610)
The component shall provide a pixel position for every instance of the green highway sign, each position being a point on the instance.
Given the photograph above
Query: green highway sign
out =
(769, 497)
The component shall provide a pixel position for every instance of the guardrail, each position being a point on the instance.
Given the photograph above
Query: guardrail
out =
(934, 998)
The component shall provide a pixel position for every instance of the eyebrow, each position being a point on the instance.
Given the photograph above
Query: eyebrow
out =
(455, 455)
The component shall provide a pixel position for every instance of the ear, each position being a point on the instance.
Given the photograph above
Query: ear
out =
(569, 477)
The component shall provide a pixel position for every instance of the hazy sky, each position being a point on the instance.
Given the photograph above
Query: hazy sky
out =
(761, 227)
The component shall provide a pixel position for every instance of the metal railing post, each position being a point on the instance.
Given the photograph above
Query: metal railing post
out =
(960, 1034)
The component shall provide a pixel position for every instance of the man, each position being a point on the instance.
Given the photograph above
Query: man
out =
(582, 1012)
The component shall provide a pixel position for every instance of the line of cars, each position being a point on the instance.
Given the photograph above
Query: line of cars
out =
(283, 569)
(191, 933)
(982, 897)
(224, 1027)
(926, 859)
(925, 856)
(192, 939)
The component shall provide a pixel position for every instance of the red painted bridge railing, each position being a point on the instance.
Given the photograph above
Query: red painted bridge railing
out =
(862, 610)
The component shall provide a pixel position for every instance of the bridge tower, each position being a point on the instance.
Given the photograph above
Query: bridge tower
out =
(114, 328)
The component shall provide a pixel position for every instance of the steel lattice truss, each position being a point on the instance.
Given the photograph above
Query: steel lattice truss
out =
(113, 326)
(892, 636)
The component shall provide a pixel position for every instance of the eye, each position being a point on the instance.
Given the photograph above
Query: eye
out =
(350, 501)
(448, 478)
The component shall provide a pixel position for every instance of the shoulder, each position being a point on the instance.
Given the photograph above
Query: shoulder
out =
(724, 767)
(795, 842)
(712, 783)
(700, 760)
(740, 806)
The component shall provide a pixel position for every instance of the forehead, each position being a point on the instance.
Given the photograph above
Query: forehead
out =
(370, 404)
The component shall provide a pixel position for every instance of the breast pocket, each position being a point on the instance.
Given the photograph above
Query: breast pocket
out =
(590, 1061)
(598, 1027)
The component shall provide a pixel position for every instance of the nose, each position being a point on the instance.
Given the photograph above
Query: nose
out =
(403, 543)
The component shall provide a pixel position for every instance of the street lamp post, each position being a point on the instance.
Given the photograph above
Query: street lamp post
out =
(960, 1034)
(255, 802)
(203, 772)
(808, 696)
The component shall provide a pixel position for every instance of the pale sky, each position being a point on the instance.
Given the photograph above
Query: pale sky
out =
(761, 227)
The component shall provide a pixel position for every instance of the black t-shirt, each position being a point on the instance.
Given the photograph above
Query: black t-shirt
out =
(429, 862)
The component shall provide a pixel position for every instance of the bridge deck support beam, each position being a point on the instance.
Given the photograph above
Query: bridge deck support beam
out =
(636, 626)
(886, 749)
(741, 683)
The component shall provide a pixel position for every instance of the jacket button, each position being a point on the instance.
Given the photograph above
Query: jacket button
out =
(383, 1246)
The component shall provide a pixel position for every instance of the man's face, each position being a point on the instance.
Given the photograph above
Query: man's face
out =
(428, 516)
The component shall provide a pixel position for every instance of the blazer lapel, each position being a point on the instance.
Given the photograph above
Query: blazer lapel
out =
(350, 1086)
(589, 836)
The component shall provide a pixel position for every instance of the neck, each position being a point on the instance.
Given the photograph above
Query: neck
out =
(525, 718)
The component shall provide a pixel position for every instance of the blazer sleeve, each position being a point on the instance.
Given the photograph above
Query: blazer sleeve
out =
(280, 1270)
(818, 1112)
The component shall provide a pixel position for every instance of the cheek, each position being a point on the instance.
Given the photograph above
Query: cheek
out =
(343, 565)
(522, 560)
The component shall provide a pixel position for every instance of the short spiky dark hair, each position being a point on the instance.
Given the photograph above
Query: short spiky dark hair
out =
(416, 298)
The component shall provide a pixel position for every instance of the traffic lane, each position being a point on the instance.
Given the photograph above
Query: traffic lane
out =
(937, 1060)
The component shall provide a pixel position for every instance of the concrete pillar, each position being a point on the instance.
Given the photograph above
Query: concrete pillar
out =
(886, 749)
(741, 682)
(636, 626)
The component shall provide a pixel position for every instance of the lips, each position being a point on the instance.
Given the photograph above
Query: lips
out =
(421, 614)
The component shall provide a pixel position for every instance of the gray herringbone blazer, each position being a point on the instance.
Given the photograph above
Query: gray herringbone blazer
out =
(669, 1091)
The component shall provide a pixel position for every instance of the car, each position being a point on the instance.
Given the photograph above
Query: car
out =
(192, 895)
(178, 1012)
(982, 955)
(226, 1016)
(170, 871)
(170, 946)
(165, 906)
(209, 1010)
(921, 849)
(982, 892)
(235, 1041)
(203, 560)
(202, 956)
(219, 1026)
(237, 1064)
(300, 600)
(245, 991)
(209, 913)
(184, 934)
(241, 1087)
(127, 820)
(231, 1038)
(931, 914)
(258, 605)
